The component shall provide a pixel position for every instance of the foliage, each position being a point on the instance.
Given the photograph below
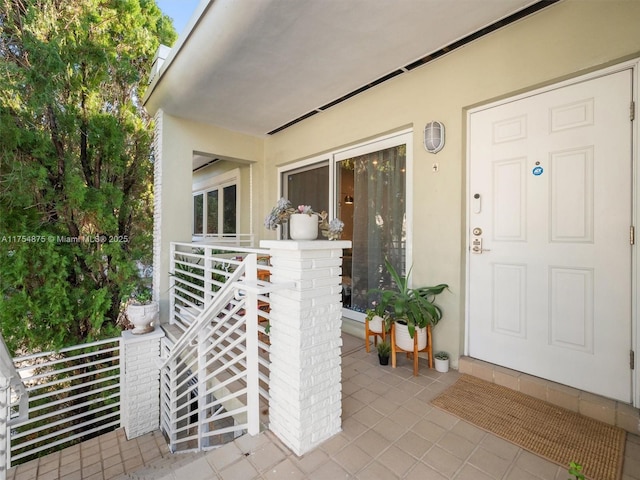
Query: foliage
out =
(279, 214)
(379, 311)
(384, 348)
(575, 469)
(142, 296)
(411, 305)
(370, 313)
(75, 164)
(442, 356)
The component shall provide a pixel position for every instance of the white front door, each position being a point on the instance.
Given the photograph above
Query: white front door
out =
(550, 215)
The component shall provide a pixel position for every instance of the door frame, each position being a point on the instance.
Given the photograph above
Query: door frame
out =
(634, 66)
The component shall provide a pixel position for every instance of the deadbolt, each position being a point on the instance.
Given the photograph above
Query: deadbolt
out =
(477, 231)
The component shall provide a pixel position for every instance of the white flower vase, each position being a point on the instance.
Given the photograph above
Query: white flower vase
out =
(404, 340)
(375, 324)
(303, 226)
(142, 317)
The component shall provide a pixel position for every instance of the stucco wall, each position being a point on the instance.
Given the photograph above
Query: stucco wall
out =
(562, 41)
(179, 139)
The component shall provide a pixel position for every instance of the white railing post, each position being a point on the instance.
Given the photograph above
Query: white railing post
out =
(5, 432)
(208, 272)
(305, 385)
(172, 413)
(140, 382)
(201, 402)
(251, 325)
(172, 283)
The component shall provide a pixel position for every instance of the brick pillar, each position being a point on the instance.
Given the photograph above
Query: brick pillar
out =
(305, 380)
(140, 382)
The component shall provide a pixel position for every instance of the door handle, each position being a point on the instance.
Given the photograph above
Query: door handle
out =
(476, 246)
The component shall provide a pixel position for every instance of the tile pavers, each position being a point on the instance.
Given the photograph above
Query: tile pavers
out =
(390, 430)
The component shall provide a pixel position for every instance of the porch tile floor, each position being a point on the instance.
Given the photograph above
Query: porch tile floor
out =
(390, 431)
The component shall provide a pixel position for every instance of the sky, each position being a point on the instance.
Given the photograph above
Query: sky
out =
(179, 10)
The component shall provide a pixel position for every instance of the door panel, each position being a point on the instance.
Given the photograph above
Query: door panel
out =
(551, 192)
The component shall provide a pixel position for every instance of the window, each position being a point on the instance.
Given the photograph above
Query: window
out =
(215, 207)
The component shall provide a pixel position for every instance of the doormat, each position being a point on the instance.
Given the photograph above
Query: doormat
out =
(555, 433)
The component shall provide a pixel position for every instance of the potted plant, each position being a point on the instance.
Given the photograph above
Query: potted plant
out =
(384, 349)
(375, 321)
(376, 325)
(142, 311)
(412, 309)
(303, 221)
(442, 362)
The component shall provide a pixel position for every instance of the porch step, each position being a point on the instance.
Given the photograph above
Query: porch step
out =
(593, 406)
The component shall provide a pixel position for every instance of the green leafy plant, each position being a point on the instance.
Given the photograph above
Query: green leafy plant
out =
(377, 311)
(370, 313)
(384, 349)
(442, 356)
(415, 306)
(142, 296)
(575, 469)
(76, 203)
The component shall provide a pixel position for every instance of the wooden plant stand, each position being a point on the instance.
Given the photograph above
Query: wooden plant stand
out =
(395, 349)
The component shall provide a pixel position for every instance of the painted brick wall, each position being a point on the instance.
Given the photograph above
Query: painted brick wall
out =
(140, 381)
(305, 382)
(157, 196)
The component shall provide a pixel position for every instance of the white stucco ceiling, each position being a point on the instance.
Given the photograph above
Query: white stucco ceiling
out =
(254, 65)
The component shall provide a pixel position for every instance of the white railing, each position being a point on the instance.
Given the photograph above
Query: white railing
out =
(214, 375)
(74, 395)
(244, 240)
(12, 393)
(198, 272)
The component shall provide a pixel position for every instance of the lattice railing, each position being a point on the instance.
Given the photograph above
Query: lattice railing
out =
(74, 395)
(213, 376)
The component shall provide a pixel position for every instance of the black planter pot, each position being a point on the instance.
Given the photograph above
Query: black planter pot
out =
(383, 360)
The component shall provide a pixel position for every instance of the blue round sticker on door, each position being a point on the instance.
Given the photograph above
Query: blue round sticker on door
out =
(537, 171)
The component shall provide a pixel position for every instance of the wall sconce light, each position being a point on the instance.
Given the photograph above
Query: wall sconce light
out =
(434, 137)
(348, 200)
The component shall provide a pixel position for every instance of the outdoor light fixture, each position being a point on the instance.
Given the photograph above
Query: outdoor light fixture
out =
(348, 200)
(434, 137)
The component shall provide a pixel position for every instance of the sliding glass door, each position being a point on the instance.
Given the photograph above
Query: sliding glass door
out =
(368, 190)
(372, 203)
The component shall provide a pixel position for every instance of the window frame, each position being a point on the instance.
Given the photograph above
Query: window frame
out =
(216, 183)
(401, 137)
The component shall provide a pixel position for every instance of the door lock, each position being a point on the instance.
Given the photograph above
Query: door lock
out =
(476, 246)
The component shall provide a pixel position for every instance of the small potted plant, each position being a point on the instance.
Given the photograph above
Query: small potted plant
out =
(384, 349)
(374, 320)
(142, 311)
(376, 324)
(412, 309)
(442, 362)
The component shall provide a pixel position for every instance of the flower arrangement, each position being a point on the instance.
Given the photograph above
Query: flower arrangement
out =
(333, 230)
(279, 214)
(283, 211)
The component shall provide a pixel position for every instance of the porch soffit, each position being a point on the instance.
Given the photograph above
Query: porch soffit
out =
(252, 66)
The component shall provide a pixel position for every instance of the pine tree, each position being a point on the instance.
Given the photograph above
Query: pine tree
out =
(75, 164)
